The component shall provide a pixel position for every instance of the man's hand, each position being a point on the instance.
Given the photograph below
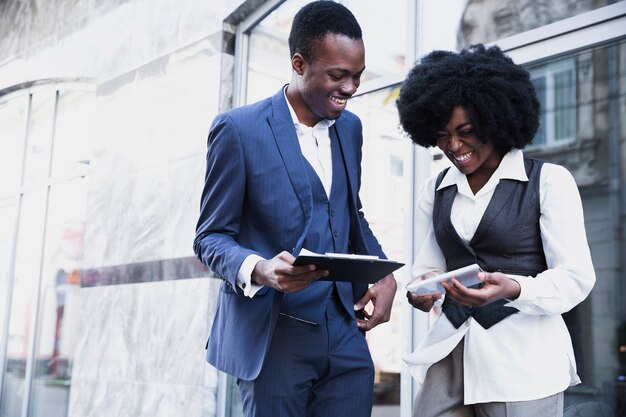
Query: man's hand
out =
(381, 295)
(497, 286)
(280, 274)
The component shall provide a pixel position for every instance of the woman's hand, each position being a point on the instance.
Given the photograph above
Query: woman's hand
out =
(496, 287)
(423, 302)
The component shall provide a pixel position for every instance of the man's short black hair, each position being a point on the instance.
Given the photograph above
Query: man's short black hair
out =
(496, 93)
(316, 20)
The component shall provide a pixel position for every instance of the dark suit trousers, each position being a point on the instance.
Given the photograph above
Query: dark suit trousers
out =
(313, 370)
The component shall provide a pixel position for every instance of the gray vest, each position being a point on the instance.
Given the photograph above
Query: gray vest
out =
(508, 239)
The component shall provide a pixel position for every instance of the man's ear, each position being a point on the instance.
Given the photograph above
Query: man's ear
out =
(297, 63)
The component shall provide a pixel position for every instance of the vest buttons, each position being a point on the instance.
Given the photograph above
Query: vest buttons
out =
(336, 234)
(332, 213)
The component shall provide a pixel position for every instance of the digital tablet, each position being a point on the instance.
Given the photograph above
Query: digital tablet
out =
(468, 276)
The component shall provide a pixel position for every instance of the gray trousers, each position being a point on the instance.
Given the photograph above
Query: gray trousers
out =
(442, 396)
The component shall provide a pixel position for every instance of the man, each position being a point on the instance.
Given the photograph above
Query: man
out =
(283, 174)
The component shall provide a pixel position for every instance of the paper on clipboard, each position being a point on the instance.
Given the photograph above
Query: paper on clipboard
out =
(349, 267)
(468, 276)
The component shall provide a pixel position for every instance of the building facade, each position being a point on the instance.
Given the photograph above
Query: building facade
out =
(104, 114)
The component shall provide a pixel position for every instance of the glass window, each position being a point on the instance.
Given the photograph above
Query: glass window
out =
(50, 208)
(385, 44)
(60, 282)
(439, 24)
(582, 96)
(386, 178)
(269, 64)
(73, 133)
(13, 123)
(7, 226)
(39, 142)
(484, 21)
(24, 299)
(556, 89)
(540, 86)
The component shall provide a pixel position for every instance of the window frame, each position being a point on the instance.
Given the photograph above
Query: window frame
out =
(54, 85)
(549, 111)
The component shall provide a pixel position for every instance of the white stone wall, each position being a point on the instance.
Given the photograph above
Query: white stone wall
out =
(140, 350)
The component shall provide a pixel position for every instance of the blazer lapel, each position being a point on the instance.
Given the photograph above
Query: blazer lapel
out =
(340, 132)
(289, 148)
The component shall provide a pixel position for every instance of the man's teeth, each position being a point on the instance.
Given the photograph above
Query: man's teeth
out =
(464, 157)
(339, 100)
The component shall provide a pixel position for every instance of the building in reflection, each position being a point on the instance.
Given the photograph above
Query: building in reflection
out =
(104, 113)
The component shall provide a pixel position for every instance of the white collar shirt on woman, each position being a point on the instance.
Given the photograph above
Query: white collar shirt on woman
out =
(528, 355)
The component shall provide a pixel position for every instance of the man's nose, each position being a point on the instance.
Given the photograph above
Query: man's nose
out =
(349, 87)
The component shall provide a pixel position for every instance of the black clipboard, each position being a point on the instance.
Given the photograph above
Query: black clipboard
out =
(350, 268)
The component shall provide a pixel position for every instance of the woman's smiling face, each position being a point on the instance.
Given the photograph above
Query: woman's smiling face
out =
(459, 143)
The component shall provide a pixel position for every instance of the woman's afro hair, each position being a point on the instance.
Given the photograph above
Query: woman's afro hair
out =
(497, 95)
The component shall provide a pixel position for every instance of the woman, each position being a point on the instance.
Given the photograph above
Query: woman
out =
(501, 347)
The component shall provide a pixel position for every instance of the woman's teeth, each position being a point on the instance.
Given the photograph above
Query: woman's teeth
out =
(463, 157)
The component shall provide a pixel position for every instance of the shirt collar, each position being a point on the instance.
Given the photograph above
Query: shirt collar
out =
(322, 123)
(511, 167)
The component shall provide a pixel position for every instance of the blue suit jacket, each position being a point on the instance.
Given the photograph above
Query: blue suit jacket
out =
(257, 200)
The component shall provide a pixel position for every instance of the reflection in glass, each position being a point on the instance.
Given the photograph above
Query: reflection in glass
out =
(39, 142)
(13, 127)
(60, 282)
(540, 87)
(486, 21)
(24, 298)
(73, 133)
(556, 90)
(564, 102)
(439, 24)
(582, 96)
(7, 219)
(386, 173)
(385, 44)
(269, 64)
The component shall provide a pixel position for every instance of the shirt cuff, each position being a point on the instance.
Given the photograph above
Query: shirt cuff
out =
(528, 296)
(244, 276)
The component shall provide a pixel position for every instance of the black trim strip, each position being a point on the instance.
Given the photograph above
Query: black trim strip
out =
(150, 271)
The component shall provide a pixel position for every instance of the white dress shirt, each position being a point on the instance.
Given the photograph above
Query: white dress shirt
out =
(315, 146)
(529, 354)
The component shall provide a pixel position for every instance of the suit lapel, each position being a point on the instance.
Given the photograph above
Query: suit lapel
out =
(340, 132)
(286, 140)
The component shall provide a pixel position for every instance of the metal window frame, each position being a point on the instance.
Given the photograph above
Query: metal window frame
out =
(548, 72)
(31, 88)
